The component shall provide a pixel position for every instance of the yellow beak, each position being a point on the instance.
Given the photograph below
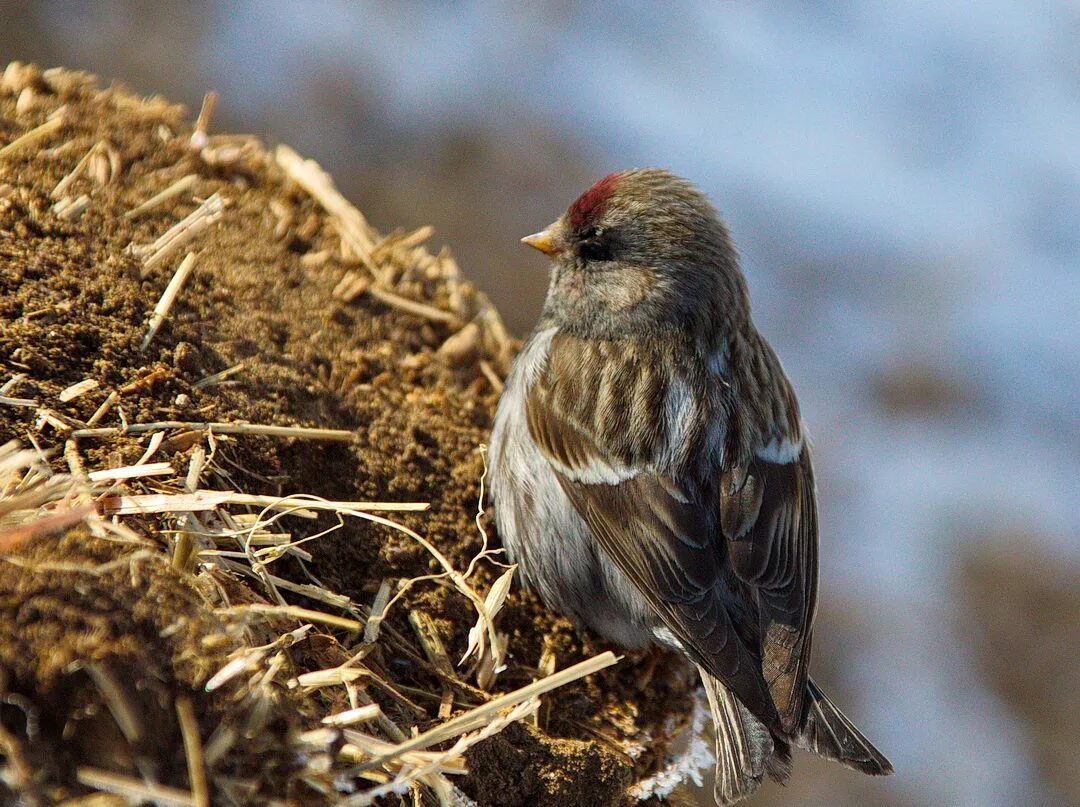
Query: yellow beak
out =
(543, 241)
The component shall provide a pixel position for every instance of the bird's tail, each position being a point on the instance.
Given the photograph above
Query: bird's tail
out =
(745, 749)
(828, 732)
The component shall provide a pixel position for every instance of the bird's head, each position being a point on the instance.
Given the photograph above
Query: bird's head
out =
(640, 250)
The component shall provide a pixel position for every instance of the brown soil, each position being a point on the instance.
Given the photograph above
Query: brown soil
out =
(74, 305)
(79, 614)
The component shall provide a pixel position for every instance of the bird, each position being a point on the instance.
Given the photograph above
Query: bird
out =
(652, 477)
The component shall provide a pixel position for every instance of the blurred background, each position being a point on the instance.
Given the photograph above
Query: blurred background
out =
(903, 180)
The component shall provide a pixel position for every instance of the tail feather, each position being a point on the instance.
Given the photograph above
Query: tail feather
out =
(828, 732)
(745, 750)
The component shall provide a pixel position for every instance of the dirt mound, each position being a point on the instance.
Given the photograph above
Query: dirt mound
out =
(101, 644)
(300, 353)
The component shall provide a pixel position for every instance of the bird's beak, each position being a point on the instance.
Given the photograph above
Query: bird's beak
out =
(543, 241)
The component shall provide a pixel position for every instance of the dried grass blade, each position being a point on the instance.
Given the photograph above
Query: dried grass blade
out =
(416, 308)
(482, 714)
(221, 428)
(294, 612)
(199, 139)
(431, 642)
(204, 500)
(177, 188)
(11, 383)
(156, 439)
(33, 136)
(378, 611)
(131, 472)
(101, 411)
(168, 297)
(133, 788)
(217, 378)
(351, 717)
(350, 222)
(243, 663)
(183, 232)
(193, 750)
(492, 604)
(117, 701)
(330, 677)
(77, 389)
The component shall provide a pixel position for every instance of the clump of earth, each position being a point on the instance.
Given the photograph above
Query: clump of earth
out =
(291, 315)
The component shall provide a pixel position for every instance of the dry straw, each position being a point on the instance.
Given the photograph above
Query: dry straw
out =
(31, 138)
(212, 534)
(168, 297)
(176, 189)
(182, 233)
(27, 484)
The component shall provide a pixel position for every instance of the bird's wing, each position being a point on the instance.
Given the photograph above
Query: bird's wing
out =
(768, 513)
(662, 537)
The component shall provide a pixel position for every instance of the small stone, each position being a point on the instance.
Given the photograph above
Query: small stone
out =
(186, 358)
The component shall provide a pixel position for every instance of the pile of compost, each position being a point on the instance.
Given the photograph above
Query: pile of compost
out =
(192, 328)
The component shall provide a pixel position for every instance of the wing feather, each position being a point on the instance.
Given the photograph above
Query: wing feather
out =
(683, 584)
(660, 536)
(777, 556)
(728, 563)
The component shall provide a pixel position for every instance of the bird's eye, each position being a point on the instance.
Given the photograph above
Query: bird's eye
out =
(595, 245)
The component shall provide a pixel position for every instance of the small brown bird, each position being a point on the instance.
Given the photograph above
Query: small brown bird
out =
(651, 475)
